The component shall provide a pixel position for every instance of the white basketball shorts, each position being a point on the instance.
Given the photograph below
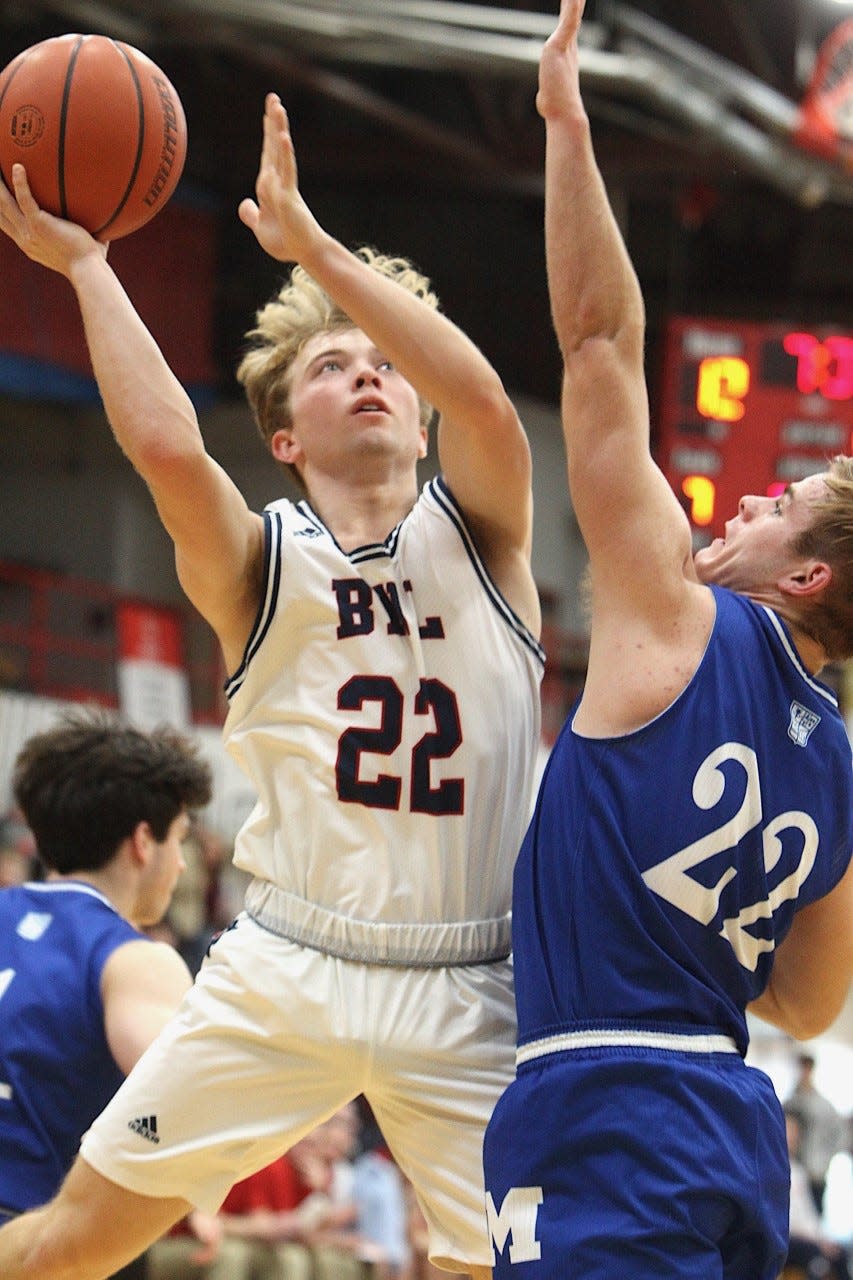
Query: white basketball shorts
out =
(274, 1037)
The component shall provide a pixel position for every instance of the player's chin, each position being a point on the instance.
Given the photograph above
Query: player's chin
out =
(702, 566)
(706, 561)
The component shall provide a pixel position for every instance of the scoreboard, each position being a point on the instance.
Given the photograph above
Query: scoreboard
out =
(749, 408)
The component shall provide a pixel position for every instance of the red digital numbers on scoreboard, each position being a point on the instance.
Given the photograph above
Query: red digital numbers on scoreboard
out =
(749, 408)
(824, 367)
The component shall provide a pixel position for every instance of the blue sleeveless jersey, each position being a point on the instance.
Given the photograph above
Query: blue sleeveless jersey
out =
(56, 1069)
(662, 868)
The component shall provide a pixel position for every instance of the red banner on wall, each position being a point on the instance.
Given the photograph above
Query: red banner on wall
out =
(153, 684)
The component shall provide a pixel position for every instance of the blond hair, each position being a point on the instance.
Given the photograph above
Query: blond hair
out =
(829, 537)
(300, 310)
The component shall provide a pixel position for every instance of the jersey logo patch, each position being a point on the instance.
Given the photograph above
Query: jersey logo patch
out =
(803, 722)
(146, 1127)
(308, 532)
(33, 925)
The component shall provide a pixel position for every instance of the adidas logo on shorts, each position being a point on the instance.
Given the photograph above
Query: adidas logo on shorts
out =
(146, 1127)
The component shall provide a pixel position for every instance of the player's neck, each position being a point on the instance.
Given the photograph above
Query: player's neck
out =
(812, 654)
(810, 651)
(102, 881)
(358, 515)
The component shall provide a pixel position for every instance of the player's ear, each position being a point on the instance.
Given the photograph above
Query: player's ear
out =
(810, 577)
(284, 447)
(141, 843)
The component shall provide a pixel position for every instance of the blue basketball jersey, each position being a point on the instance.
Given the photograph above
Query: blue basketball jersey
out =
(659, 872)
(56, 1069)
(662, 868)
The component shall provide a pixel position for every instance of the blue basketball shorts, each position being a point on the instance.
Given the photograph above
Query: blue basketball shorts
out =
(602, 1164)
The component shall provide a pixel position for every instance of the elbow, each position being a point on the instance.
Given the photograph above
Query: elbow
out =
(803, 1026)
(801, 1020)
(816, 1019)
(492, 402)
(595, 336)
(168, 447)
(488, 405)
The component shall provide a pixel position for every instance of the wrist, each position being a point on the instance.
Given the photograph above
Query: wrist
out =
(87, 264)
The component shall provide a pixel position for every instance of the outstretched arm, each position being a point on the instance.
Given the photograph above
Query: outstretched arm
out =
(592, 285)
(635, 532)
(619, 496)
(482, 447)
(217, 540)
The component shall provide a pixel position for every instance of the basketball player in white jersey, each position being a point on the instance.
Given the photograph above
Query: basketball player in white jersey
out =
(384, 673)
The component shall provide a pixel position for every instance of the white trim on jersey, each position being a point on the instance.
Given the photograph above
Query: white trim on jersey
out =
(60, 886)
(822, 689)
(266, 610)
(445, 499)
(362, 555)
(606, 1038)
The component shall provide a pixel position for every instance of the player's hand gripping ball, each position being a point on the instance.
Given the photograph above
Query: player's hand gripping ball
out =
(99, 129)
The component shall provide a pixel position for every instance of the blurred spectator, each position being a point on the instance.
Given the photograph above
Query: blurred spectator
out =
(341, 1249)
(810, 1248)
(14, 869)
(420, 1267)
(822, 1128)
(18, 858)
(379, 1196)
(838, 1197)
(193, 1249)
(262, 1235)
(282, 1223)
(196, 911)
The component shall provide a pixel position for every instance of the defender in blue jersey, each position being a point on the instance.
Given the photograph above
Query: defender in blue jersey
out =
(82, 991)
(689, 853)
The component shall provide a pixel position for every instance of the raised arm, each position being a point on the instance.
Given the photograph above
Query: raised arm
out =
(620, 498)
(218, 542)
(483, 449)
(636, 534)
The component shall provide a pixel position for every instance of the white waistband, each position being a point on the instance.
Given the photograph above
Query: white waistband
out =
(415, 945)
(603, 1038)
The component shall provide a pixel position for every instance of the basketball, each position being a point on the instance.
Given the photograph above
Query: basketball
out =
(99, 129)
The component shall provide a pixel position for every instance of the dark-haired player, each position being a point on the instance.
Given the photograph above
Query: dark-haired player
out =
(83, 991)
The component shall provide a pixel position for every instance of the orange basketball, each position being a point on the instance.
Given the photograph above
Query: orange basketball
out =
(99, 129)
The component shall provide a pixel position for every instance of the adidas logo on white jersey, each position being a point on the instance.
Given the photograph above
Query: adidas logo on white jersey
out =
(146, 1127)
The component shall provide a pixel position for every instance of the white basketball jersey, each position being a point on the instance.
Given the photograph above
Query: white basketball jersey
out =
(387, 713)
